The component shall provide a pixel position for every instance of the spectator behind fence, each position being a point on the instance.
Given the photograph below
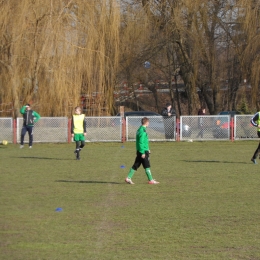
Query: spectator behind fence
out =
(168, 114)
(201, 113)
(29, 118)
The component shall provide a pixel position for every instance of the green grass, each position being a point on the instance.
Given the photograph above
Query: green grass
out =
(207, 205)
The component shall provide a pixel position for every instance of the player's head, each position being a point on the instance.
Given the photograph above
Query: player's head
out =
(28, 106)
(78, 110)
(145, 121)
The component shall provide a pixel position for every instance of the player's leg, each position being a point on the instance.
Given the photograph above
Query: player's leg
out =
(30, 132)
(255, 154)
(23, 133)
(77, 142)
(146, 165)
(77, 150)
(136, 165)
(82, 144)
(253, 159)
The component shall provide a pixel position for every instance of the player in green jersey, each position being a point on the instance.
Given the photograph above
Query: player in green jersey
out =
(142, 153)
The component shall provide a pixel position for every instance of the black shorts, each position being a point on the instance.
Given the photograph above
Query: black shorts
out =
(139, 160)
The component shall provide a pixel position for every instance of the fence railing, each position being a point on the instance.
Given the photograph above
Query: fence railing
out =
(104, 129)
(117, 129)
(206, 127)
(243, 129)
(160, 129)
(7, 130)
(46, 130)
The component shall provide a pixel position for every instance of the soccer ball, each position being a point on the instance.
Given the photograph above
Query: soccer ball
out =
(4, 142)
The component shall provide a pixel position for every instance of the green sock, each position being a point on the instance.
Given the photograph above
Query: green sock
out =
(131, 173)
(149, 174)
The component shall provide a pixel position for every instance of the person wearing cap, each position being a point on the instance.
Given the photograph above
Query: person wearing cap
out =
(169, 114)
(29, 118)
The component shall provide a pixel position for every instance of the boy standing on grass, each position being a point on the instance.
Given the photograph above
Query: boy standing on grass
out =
(29, 118)
(255, 121)
(78, 130)
(142, 154)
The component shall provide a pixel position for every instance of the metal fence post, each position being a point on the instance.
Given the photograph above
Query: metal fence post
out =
(177, 129)
(69, 130)
(14, 131)
(123, 130)
(232, 129)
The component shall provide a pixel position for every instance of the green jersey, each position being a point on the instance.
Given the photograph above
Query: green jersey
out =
(29, 117)
(142, 141)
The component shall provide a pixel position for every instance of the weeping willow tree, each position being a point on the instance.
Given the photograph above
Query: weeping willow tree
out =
(53, 51)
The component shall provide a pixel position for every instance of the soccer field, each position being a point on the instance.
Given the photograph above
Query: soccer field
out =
(207, 205)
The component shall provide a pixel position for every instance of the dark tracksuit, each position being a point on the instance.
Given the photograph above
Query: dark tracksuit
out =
(29, 118)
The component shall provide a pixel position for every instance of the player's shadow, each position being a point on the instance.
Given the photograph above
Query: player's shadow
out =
(214, 161)
(42, 158)
(90, 182)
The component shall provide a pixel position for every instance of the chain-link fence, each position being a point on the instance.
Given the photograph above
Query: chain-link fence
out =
(243, 129)
(116, 129)
(205, 127)
(104, 129)
(47, 129)
(6, 129)
(160, 128)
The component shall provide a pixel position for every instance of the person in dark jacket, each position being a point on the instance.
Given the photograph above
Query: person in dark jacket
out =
(255, 121)
(201, 113)
(29, 118)
(169, 114)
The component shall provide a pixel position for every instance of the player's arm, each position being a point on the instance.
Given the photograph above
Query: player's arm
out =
(36, 116)
(142, 144)
(85, 126)
(22, 110)
(254, 119)
(164, 112)
(72, 126)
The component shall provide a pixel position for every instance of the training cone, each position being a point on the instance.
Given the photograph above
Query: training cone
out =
(122, 166)
(58, 209)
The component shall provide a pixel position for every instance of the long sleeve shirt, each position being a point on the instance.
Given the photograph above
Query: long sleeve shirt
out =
(142, 141)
